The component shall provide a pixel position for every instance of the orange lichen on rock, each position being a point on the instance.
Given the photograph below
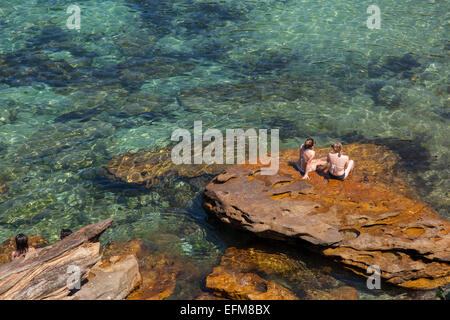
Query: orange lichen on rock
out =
(371, 218)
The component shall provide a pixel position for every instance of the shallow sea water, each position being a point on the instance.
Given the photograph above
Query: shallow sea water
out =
(70, 100)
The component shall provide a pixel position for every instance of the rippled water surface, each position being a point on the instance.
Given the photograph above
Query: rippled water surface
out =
(70, 100)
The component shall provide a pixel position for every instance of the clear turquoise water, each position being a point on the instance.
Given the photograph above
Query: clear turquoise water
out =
(136, 70)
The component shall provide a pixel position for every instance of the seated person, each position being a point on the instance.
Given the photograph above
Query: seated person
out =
(21, 247)
(339, 166)
(306, 162)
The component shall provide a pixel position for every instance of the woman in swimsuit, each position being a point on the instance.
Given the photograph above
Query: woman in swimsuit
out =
(21, 247)
(339, 165)
(306, 162)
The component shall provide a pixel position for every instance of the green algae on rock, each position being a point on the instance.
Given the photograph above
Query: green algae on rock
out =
(148, 168)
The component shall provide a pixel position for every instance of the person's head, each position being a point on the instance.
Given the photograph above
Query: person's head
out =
(64, 233)
(309, 143)
(21, 243)
(337, 147)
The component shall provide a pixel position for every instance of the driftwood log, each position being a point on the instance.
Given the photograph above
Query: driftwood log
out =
(46, 273)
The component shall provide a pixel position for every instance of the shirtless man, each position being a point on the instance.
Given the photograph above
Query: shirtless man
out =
(339, 166)
(306, 162)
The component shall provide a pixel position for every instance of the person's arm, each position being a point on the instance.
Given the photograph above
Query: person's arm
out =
(308, 165)
(328, 163)
(300, 152)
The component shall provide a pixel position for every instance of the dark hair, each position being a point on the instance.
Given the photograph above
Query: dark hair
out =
(337, 147)
(64, 233)
(21, 243)
(309, 143)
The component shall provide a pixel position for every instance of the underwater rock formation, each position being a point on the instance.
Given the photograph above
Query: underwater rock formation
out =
(147, 168)
(371, 218)
(243, 273)
(245, 286)
(3, 187)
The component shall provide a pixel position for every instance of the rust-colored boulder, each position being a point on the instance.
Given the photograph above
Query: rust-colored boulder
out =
(149, 168)
(371, 218)
(228, 283)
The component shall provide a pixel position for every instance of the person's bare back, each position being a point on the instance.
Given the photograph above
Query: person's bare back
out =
(339, 165)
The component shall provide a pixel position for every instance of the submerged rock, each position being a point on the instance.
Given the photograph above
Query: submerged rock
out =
(340, 293)
(245, 286)
(371, 218)
(149, 168)
(256, 265)
(158, 271)
(3, 187)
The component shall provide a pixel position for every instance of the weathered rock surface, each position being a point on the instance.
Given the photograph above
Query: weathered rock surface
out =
(371, 218)
(256, 265)
(245, 286)
(43, 273)
(340, 293)
(158, 271)
(149, 168)
(111, 279)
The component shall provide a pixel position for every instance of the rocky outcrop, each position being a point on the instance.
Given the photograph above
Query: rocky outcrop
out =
(243, 273)
(226, 283)
(371, 218)
(158, 272)
(44, 273)
(147, 168)
(111, 279)
(340, 293)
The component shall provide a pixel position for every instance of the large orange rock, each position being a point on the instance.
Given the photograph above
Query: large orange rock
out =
(234, 285)
(371, 218)
(149, 168)
(251, 261)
